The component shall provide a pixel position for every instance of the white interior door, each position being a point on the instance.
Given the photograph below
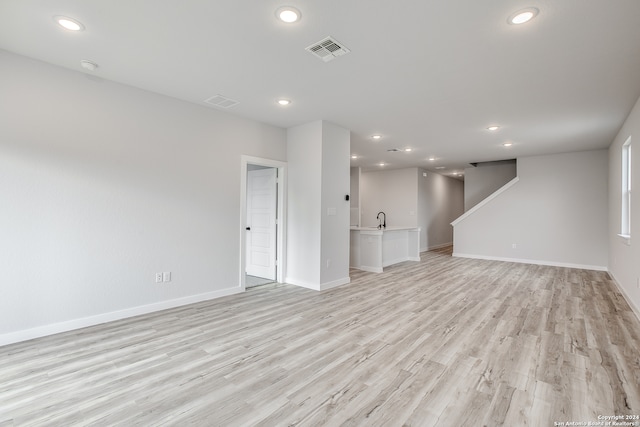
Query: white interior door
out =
(261, 223)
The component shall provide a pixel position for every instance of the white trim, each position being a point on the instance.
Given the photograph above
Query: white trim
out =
(301, 283)
(335, 283)
(369, 269)
(486, 200)
(626, 187)
(533, 261)
(434, 247)
(626, 238)
(399, 260)
(396, 261)
(70, 325)
(316, 286)
(634, 308)
(281, 266)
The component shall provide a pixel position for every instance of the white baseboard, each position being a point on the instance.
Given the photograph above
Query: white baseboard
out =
(534, 261)
(318, 286)
(335, 283)
(302, 283)
(70, 325)
(369, 269)
(394, 261)
(634, 308)
(434, 247)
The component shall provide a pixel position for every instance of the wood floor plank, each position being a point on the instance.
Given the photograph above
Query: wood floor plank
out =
(444, 341)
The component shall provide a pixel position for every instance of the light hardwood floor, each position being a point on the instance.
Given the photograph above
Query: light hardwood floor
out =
(447, 341)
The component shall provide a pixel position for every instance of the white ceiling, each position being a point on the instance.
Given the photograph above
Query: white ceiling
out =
(430, 75)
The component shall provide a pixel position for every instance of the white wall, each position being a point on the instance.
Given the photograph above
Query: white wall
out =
(318, 214)
(440, 201)
(336, 148)
(101, 186)
(354, 200)
(556, 214)
(482, 180)
(624, 259)
(392, 191)
(410, 199)
(304, 210)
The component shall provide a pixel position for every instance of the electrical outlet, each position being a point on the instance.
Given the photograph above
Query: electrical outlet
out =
(166, 276)
(514, 246)
(158, 277)
(328, 263)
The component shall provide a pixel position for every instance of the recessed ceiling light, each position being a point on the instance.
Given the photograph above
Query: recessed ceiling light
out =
(354, 156)
(68, 23)
(408, 149)
(522, 16)
(507, 144)
(494, 127)
(381, 164)
(376, 136)
(284, 101)
(431, 159)
(288, 14)
(440, 167)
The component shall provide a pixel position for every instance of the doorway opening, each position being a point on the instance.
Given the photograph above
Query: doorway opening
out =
(263, 222)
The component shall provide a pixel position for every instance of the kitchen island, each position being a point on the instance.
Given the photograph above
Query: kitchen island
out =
(372, 248)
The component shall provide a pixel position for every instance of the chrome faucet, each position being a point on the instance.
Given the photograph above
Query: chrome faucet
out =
(382, 224)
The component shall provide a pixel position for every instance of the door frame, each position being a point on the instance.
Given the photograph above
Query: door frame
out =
(281, 185)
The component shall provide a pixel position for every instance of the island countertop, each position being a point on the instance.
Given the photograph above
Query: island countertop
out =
(353, 228)
(372, 248)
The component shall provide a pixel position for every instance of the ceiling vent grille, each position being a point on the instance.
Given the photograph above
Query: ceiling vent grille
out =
(221, 101)
(327, 49)
(394, 150)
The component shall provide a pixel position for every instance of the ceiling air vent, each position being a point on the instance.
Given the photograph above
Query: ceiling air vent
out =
(327, 49)
(394, 150)
(221, 101)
